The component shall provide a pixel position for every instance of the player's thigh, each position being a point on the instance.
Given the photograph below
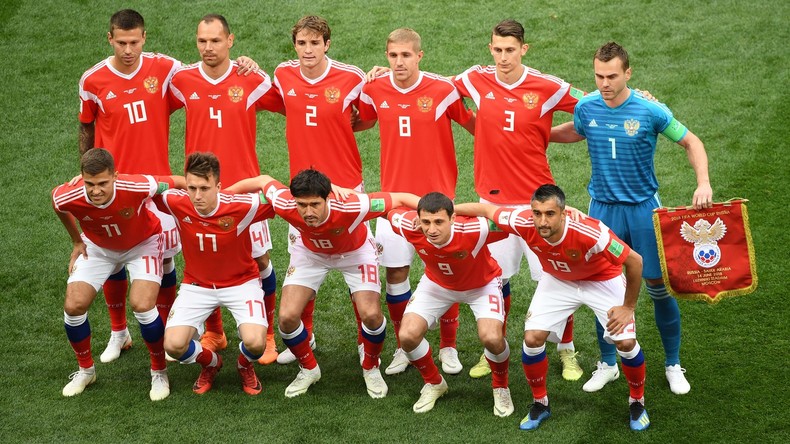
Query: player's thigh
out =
(643, 237)
(429, 301)
(96, 268)
(306, 268)
(553, 302)
(360, 269)
(245, 303)
(486, 302)
(601, 296)
(261, 238)
(613, 216)
(144, 261)
(395, 251)
(192, 306)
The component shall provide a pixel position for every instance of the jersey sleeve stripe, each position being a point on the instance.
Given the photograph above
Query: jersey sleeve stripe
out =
(364, 209)
(483, 235)
(555, 98)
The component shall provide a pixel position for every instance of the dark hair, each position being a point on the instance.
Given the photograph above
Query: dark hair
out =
(314, 24)
(309, 183)
(208, 18)
(549, 191)
(610, 51)
(96, 161)
(434, 202)
(202, 165)
(509, 28)
(126, 19)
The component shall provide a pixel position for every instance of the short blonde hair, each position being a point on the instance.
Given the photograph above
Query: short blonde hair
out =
(406, 35)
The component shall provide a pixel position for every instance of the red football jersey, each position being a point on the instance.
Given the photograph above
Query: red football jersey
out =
(220, 116)
(124, 221)
(217, 246)
(464, 262)
(417, 148)
(587, 251)
(343, 231)
(318, 120)
(512, 130)
(131, 112)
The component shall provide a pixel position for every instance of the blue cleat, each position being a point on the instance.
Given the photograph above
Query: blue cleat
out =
(537, 414)
(639, 419)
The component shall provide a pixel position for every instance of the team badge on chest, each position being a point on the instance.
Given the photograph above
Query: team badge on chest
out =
(151, 84)
(530, 100)
(631, 126)
(424, 104)
(235, 94)
(332, 94)
(126, 213)
(226, 223)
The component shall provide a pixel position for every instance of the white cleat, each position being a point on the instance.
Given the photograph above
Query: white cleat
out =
(449, 359)
(604, 375)
(399, 363)
(169, 358)
(287, 357)
(160, 385)
(375, 384)
(303, 381)
(503, 403)
(428, 396)
(79, 380)
(120, 340)
(677, 380)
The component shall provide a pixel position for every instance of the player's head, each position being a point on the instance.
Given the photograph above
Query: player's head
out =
(310, 189)
(507, 46)
(404, 52)
(612, 71)
(214, 40)
(127, 37)
(98, 173)
(548, 211)
(437, 214)
(202, 179)
(310, 37)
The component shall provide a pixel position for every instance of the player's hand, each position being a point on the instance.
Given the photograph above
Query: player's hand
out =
(74, 180)
(375, 71)
(646, 94)
(703, 197)
(575, 214)
(342, 193)
(619, 318)
(79, 250)
(247, 66)
(354, 117)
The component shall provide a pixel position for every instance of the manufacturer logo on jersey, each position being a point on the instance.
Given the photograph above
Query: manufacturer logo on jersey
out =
(105, 217)
(530, 100)
(292, 93)
(332, 94)
(490, 95)
(460, 254)
(422, 251)
(87, 219)
(384, 105)
(130, 90)
(194, 96)
(151, 84)
(705, 236)
(536, 249)
(290, 271)
(631, 126)
(593, 123)
(205, 224)
(573, 254)
(235, 94)
(611, 125)
(187, 220)
(110, 95)
(127, 212)
(510, 99)
(404, 105)
(424, 104)
(226, 223)
(214, 96)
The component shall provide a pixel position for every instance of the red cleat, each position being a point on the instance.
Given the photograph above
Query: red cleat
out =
(206, 378)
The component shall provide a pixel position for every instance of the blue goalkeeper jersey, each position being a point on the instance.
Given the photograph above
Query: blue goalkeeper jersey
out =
(622, 143)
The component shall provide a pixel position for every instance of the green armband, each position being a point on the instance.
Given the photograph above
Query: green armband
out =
(163, 186)
(675, 131)
(262, 198)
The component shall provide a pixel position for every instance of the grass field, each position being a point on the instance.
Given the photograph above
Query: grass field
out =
(721, 66)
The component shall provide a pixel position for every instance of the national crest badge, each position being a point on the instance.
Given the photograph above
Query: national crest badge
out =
(530, 100)
(226, 223)
(151, 84)
(424, 103)
(235, 94)
(631, 126)
(332, 94)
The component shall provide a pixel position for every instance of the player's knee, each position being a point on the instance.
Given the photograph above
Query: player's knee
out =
(76, 302)
(626, 345)
(175, 348)
(288, 322)
(534, 339)
(372, 319)
(255, 344)
(493, 341)
(396, 275)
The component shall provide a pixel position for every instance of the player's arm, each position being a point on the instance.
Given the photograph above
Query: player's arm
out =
(87, 136)
(564, 133)
(698, 158)
(247, 66)
(405, 200)
(70, 223)
(251, 185)
(374, 72)
(362, 125)
(622, 315)
(476, 209)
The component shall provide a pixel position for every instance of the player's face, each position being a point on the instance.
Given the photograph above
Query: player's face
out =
(127, 44)
(404, 62)
(314, 210)
(437, 227)
(100, 187)
(203, 192)
(310, 48)
(507, 53)
(611, 79)
(213, 43)
(549, 219)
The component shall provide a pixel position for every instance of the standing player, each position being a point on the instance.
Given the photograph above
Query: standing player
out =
(220, 118)
(583, 264)
(219, 271)
(515, 105)
(117, 230)
(414, 110)
(621, 128)
(320, 95)
(458, 268)
(124, 108)
(334, 237)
